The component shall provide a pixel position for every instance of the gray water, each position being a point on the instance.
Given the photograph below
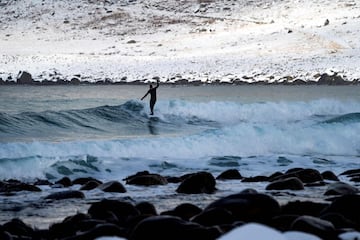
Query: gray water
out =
(106, 132)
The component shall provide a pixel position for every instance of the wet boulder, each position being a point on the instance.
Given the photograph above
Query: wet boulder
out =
(146, 179)
(90, 185)
(120, 211)
(65, 182)
(229, 174)
(200, 182)
(256, 179)
(17, 227)
(340, 188)
(185, 211)
(146, 208)
(248, 207)
(305, 175)
(346, 205)
(313, 225)
(112, 186)
(303, 208)
(24, 78)
(85, 180)
(17, 186)
(213, 217)
(169, 227)
(329, 175)
(291, 183)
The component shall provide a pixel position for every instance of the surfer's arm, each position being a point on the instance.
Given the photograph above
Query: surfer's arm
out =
(157, 83)
(145, 95)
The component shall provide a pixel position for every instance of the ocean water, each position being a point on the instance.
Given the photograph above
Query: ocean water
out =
(105, 132)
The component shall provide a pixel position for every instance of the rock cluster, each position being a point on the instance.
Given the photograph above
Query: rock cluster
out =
(24, 77)
(337, 215)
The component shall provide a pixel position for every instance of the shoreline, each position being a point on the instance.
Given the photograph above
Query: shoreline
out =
(25, 78)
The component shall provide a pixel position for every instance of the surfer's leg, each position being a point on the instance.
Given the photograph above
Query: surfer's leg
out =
(152, 104)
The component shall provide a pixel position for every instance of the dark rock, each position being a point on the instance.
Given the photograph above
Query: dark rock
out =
(230, 174)
(275, 175)
(65, 195)
(346, 205)
(303, 208)
(146, 208)
(185, 211)
(350, 172)
(338, 220)
(5, 235)
(90, 185)
(293, 170)
(248, 206)
(174, 228)
(83, 181)
(326, 79)
(43, 182)
(174, 179)
(65, 181)
(283, 222)
(112, 186)
(213, 217)
(75, 81)
(322, 228)
(68, 227)
(256, 179)
(17, 186)
(292, 183)
(340, 188)
(355, 179)
(17, 227)
(201, 182)
(24, 78)
(147, 180)
(329, 175)
(107, 208)
(305, 175)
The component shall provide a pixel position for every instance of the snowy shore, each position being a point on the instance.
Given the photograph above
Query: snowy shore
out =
(204, 40)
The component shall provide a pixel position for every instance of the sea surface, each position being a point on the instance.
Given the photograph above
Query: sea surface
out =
(106, 132)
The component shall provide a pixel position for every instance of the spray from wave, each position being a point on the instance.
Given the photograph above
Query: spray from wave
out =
(218, 130)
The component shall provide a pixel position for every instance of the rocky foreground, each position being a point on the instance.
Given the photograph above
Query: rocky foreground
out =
(335, 216)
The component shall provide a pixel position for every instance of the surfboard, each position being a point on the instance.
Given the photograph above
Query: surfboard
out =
(155, 118)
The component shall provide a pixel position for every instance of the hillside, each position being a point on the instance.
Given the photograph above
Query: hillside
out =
(196, 40)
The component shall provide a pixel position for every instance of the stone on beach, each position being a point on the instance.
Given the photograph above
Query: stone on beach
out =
(200, 182)
(291, 183)
(112, 186)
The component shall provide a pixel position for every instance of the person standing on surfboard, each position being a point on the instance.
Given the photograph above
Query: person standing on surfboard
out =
(152, 92)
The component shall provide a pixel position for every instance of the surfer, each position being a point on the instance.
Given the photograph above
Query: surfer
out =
(152, 92)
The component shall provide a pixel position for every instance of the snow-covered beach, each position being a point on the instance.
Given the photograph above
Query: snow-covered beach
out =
(203, 40)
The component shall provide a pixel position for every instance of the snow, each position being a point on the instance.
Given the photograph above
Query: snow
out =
(204, 40)
(253, 231)
(258, 231)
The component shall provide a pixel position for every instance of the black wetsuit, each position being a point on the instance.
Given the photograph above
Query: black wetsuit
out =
(152, 92)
